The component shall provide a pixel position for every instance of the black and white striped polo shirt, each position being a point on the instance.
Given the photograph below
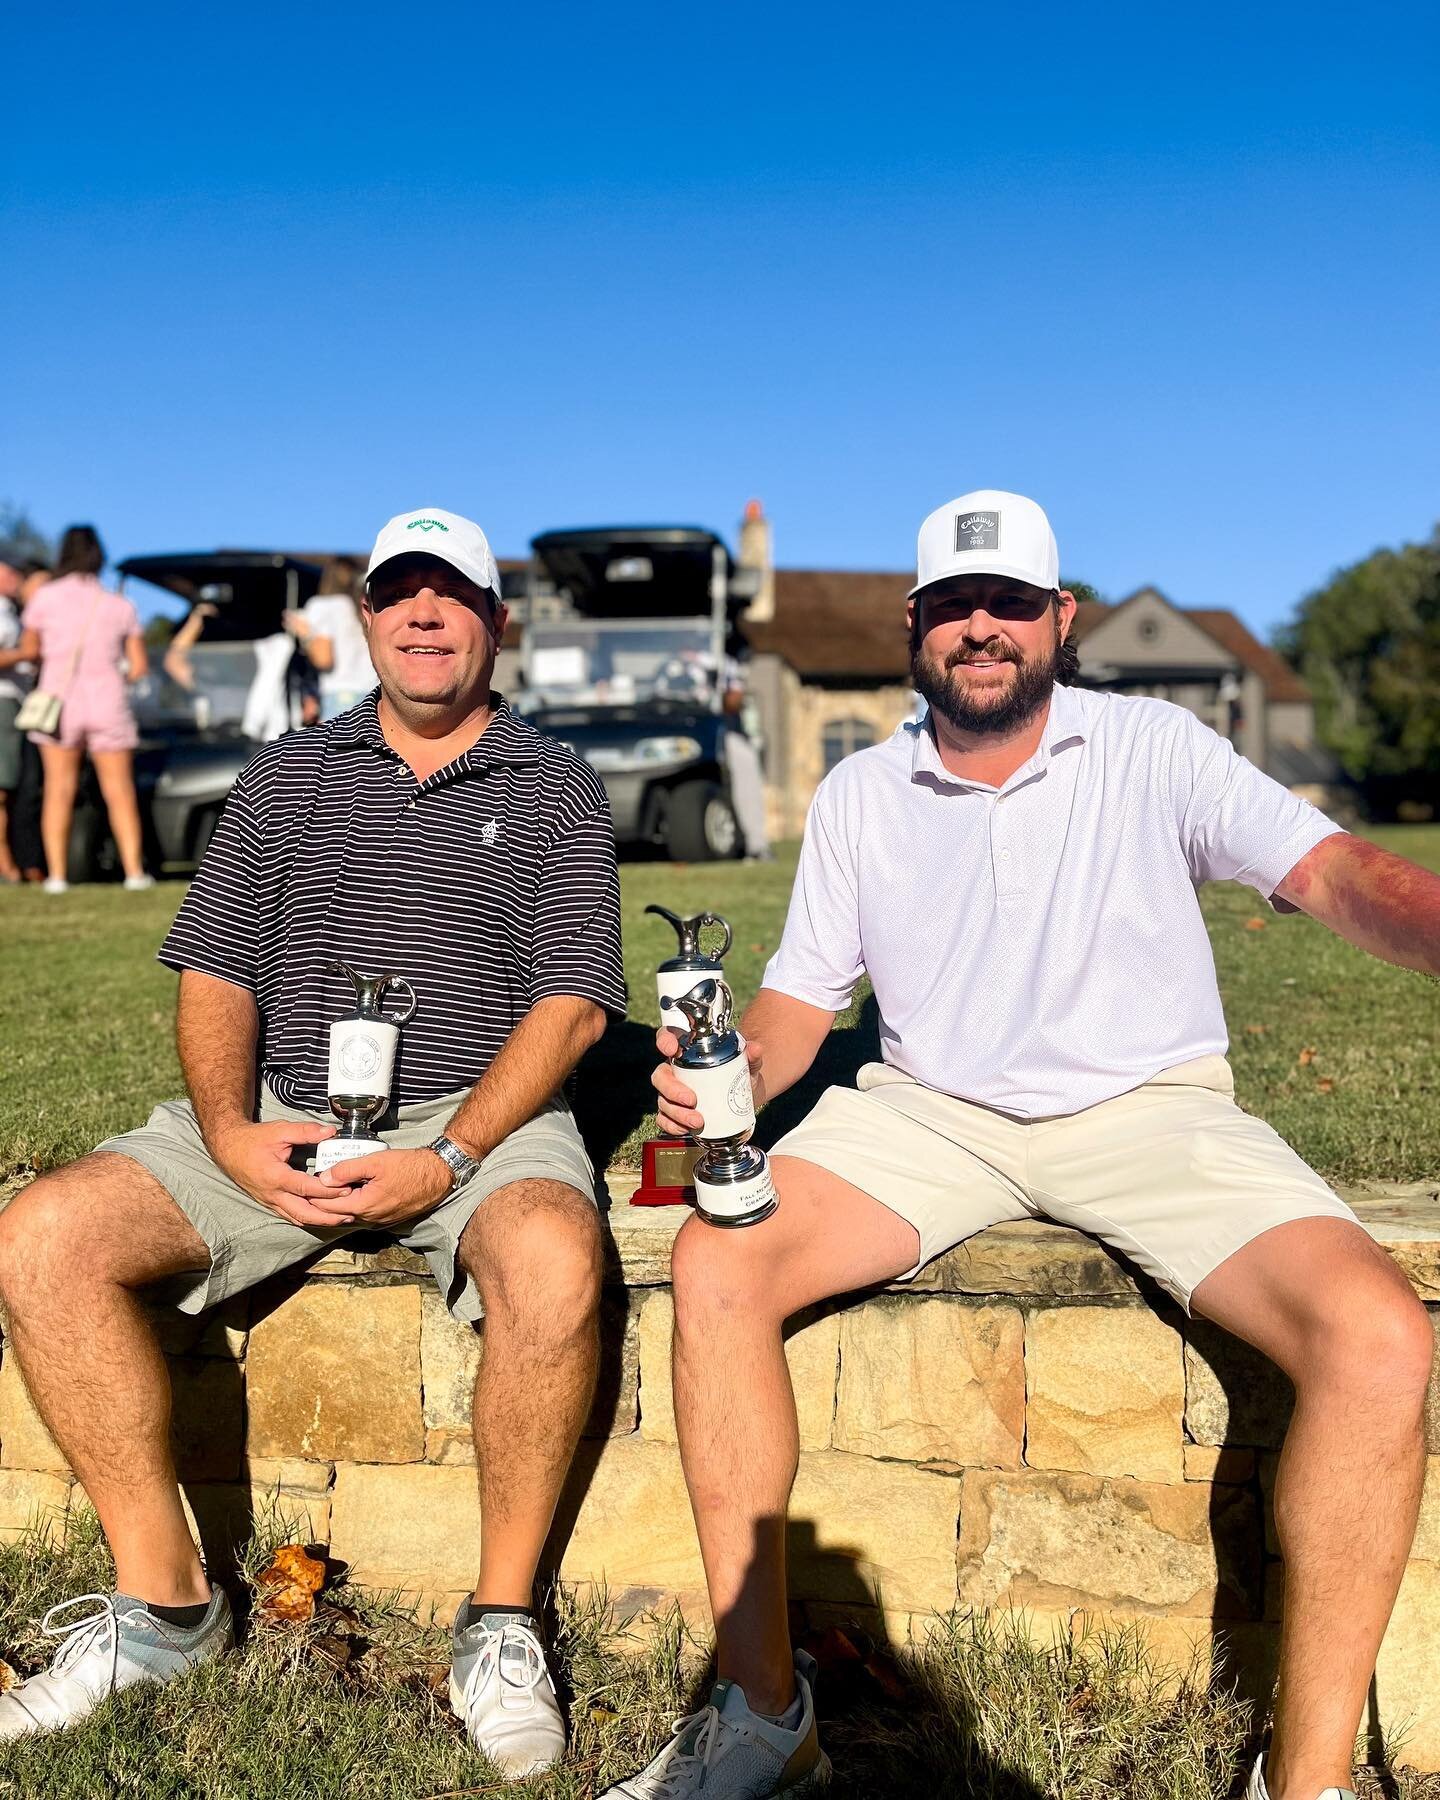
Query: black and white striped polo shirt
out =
(488, 887)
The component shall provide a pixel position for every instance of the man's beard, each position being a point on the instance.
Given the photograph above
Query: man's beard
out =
(1000, 711)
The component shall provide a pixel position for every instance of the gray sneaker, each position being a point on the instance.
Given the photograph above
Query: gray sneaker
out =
(727, 1752)
(115, 1645)
(501, 1687)
(1255, 1788)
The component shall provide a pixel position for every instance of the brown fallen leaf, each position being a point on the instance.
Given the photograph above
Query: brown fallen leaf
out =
(295, 1563)
(8, 1677)
(1325, 1085)
(1254, 924)
(333, 1649)
(1307, 1056)
(602, 1715)
(1256, 1030)
(291, 1604)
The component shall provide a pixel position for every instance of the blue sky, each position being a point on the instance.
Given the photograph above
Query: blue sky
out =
(274, 274)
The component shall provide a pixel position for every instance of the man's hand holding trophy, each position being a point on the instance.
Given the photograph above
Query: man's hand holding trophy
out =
(707, 1089)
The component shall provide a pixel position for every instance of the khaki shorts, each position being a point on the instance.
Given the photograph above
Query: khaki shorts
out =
(248, 1243)
(1172, 1175)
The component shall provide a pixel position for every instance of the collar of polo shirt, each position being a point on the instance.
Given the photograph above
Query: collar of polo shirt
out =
(1065, 724)
(504, 739)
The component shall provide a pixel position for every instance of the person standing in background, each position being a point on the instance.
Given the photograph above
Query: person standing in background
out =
(79, 631)
(25, 811)
(12, 683)
(329, 631)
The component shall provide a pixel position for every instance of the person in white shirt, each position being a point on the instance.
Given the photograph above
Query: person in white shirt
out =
(1017, 875)
(330, 631)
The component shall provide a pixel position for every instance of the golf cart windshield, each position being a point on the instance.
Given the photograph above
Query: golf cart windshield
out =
(246, 594)
(617, 662)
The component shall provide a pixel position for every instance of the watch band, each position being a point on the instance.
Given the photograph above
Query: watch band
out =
(461, 1166)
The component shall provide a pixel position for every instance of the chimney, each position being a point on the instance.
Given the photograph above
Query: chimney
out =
(756, 553)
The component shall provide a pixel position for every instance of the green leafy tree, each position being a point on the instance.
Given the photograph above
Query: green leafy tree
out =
(1368, 644)
(21, 540)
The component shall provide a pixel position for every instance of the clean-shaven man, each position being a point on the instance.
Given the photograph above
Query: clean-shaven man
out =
(426, 832)
(1018, 876)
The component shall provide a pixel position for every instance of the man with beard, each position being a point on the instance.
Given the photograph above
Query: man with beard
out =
(1017, 875)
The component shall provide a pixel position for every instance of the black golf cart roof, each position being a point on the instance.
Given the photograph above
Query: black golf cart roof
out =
(262, 584)
(633, 571)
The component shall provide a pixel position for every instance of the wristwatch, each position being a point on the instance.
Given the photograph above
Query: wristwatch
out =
(461, 1166)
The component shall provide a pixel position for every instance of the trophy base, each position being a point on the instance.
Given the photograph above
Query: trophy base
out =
(333, 1151)
(667, 1172)
(734, 1188)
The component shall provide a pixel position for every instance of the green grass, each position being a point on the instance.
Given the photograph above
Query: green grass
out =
(353, 1706)
(86, 1044)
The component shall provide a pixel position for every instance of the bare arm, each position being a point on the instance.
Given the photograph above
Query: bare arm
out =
(782, 1036)
(1372, 898)
(533, 1064)
(216, 1030)
(137, 658)
(27, 650)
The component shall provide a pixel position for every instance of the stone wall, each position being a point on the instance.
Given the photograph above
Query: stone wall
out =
(1023, 1427)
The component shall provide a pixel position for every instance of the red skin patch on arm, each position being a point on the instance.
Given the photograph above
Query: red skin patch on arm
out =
(1372, 898)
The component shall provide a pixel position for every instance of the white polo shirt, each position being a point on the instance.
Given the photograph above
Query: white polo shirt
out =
(1037, 947)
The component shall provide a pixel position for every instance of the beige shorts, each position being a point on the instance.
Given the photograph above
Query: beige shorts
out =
(1173, 1174)
(248, 1243)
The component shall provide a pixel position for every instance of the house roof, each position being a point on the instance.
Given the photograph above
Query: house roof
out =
(837, 622)
(1230, 632)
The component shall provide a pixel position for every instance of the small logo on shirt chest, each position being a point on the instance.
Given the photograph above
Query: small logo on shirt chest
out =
(490, 832)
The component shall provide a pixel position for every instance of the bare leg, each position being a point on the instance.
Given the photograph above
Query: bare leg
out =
(533, 1250)
(73, 1247)
(9, 868)
(1323, 1301)
(734, 1291)
(57, 805)
(115, 770)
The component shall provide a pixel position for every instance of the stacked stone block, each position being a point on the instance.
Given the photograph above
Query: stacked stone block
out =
(1023, 1428)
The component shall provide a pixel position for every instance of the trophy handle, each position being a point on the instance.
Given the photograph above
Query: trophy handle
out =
(671, 918)
(399, 981)
(724, 924)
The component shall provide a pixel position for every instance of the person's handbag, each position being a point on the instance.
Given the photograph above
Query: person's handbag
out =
(40, 711)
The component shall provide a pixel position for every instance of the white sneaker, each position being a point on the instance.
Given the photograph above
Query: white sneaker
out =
(501, 1687)
(55, 884)
(115, 1645)
(727, 1752)
(1255, 1788)
(137, 884)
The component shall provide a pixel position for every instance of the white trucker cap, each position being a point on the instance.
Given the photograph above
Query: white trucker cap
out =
(988, 533)
(431, 531)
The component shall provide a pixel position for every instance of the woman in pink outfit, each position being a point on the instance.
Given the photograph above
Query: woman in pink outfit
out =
(80, 633)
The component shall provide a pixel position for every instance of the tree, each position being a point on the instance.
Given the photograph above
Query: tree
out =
(1368, 644)
(21, 540)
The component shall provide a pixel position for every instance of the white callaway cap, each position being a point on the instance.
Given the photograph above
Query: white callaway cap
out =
(988, 533)
(431, 531)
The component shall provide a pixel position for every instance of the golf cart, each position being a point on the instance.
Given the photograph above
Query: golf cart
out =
(191, 744)
(627, 670)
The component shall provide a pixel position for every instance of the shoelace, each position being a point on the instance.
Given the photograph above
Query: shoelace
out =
(668, 1784)
(78, 1635)
(524, 1683)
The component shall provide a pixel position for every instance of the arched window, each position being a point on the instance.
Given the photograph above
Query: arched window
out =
(841, 737)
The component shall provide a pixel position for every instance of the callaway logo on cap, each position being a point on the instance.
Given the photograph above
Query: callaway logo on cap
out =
(988, 533)
(447, 537)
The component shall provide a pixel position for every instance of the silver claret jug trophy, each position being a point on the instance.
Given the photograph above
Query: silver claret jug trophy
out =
(732, 1177)
(362, 1066)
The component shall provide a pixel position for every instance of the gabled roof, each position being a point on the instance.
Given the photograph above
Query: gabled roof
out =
(1229, 631)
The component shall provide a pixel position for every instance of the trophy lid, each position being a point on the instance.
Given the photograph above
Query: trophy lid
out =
(688, 931)
(370, 992)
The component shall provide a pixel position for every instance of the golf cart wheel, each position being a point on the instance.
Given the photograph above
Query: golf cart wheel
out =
(702, 826)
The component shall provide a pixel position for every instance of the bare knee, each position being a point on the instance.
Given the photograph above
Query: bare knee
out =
(1379, 1351)
(39, 1239)
(717, 1273)
(537, 1261)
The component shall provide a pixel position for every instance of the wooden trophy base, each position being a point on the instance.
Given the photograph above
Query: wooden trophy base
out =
(666, 1169)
